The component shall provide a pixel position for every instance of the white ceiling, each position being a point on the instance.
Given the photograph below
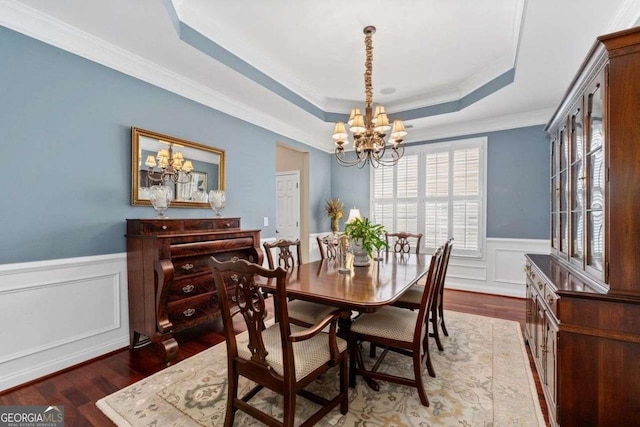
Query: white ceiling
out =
(427, 52)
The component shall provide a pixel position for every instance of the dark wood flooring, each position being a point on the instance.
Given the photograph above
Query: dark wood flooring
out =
(78, 388)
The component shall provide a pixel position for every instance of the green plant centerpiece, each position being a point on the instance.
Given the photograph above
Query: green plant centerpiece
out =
(335, 210)
(365, 239)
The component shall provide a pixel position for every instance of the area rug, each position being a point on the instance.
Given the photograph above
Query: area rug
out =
(483, 379)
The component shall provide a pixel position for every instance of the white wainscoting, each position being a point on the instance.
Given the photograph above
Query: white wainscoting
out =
(501, 272)
(60, 313)
(63, 312)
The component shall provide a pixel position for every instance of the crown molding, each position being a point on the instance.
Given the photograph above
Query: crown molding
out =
(626, 16)
(40, 26)
(514, 121)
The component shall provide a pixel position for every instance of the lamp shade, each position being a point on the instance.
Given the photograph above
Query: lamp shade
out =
(382, 123)
(357, 127)
(354, 113)
(187, 166)
(398, 130)
(353, 214)
(339, 132)
(150, 162)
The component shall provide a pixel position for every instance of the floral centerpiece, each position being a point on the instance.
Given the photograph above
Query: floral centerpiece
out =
(335, 210)
(365, 237)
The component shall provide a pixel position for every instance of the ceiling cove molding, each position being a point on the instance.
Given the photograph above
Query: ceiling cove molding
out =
(37, 25)
(532, 118)
(626, 16)
(444, 100)
(252, 57)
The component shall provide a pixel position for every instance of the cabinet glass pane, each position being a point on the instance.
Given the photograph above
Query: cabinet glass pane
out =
(554, 166)
(554, 194)
(564, 232)
(577, 186)
(596, 239)
(577, 227)
(577, 141)
(554, 230)
(563, 191)
(596, 138)
(564, 149)
(596, 180)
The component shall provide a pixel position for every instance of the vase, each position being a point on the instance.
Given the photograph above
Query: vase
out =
(160, 197)
(217, 201)
(360, 257)
(335, 224)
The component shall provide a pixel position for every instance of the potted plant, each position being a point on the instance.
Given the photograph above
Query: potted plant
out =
(365, 238)
(335, 210)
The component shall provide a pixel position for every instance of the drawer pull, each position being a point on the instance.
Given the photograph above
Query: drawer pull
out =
(227, 224)
(189, 312)
(234, 278)
(235, 259)
(164, 227)
(187, 267)
(187, 289)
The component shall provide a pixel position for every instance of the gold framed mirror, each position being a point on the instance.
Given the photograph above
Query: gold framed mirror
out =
(190, 169)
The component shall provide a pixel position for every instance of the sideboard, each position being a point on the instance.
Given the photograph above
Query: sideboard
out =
(583, 300)
(170, 284)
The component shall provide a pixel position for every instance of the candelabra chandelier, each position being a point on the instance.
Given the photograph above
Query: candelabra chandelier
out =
(369, 130)
(172, 167)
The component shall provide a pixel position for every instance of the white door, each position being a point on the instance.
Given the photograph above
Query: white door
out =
(288, 205)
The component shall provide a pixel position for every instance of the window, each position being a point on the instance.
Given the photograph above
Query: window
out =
(438, 190)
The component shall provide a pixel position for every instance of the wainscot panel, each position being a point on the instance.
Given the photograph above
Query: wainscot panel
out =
(63, 312)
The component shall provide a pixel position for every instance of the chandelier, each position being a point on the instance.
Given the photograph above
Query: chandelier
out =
(171, 167)
(369, 130)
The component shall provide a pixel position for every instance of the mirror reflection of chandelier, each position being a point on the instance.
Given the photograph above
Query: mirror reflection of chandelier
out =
(369, 130)
(172, 166)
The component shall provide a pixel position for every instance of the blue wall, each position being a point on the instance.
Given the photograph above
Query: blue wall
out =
(517, 183)
(65, 140)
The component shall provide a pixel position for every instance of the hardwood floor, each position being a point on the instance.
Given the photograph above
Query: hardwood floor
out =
(79, 388)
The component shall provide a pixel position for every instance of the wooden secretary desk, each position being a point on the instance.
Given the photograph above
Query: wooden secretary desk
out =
(583, 300)
(170, 283)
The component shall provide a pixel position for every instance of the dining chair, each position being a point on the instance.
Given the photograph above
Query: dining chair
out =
(399, 330)
(328, 246)
(302, 313)
(282, 357)
(400, 242)
(411, 298)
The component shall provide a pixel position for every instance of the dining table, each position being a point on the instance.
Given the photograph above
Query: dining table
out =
(355, 288)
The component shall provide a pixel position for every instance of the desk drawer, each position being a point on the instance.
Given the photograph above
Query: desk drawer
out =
(191, 286)
(188, 312)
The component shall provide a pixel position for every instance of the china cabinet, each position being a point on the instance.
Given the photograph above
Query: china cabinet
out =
(170, 283)
(583, 300)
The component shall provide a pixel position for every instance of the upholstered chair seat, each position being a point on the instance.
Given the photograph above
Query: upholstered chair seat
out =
(308, 313)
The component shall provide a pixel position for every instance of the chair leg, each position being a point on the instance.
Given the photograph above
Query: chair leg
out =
(232, 393)
(352, 362)
(372, 351)
(417, 371)
(444, 327)
(436, 334)
(289, 409)
(425, 348)
(344, 383)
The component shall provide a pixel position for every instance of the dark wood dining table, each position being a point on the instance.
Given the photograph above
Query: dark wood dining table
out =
(363, 289)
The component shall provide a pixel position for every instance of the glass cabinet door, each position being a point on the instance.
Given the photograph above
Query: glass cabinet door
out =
(563, 208)
(577, 191)
(554, 192)
(595, 179)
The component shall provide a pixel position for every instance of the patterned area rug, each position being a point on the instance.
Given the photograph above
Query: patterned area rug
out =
(483, 379)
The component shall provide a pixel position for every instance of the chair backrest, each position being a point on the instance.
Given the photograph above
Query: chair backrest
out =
(443, 272)
(401, 243)
(284, 250)
(428, 295)
(328, 246)
(246, 294)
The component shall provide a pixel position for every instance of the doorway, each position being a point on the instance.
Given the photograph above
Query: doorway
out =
(288, 205)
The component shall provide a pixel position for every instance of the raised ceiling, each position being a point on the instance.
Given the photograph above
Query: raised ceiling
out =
(447, 67)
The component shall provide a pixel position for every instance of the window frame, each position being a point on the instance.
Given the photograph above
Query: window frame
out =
(422, 150)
